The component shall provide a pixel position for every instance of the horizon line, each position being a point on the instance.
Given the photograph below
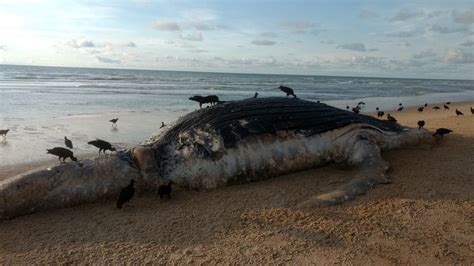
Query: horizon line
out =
(235, 73)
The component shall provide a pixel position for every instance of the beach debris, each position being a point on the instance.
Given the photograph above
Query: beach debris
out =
(380, 114)
(165, 190)
(4, 132)
(114, 121)
(442, 131)
(458, 113)
(102, 145)
(68, 142)
(211, 99)
(162, 125)
(420, 109)
(289, 91)
(126, 194)
(256, 95)
(436, 108)
(62, 153)
(421, 124)
(446, 107)
(391, 118)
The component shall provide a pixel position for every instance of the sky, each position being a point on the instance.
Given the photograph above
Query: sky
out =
(381, 38)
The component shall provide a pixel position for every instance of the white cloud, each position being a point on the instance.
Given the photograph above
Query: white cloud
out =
(467, 43)
(424, 54)
(359, 47)
(403, 34)
(406, 14)
(79, 44)
(129, 44)
(463, 17)
(165, 25)
(458, 56)
(3, 47)
(107, 60)
(195, 36)
(365, 60)
(263, 42)
(437, 13)
(445, 30)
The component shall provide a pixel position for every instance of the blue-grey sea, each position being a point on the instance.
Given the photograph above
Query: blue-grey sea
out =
(30, 92)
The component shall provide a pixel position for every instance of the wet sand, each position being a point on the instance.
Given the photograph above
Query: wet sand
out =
(27, 141)
(426, 216)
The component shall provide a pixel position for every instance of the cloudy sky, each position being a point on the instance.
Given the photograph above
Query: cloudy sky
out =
(422, 39)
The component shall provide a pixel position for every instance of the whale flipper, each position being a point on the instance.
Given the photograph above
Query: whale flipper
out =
(372, 170)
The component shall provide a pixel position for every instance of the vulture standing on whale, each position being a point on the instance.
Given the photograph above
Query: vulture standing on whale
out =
(442, 131)
(230, 143)
(62, 153)
(289, 91)
(421, 124)
(102, 145)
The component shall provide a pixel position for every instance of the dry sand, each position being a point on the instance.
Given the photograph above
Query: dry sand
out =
(426, 216)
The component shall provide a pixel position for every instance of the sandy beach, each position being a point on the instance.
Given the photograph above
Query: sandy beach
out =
(425, 216)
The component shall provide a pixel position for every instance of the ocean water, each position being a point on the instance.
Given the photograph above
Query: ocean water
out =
(33, 92)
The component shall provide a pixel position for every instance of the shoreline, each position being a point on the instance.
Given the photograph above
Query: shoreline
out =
(423, 217)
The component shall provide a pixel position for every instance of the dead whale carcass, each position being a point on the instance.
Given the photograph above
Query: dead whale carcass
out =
(231, 143)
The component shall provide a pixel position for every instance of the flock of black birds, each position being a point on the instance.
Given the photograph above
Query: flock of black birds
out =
(439, 132)
(126, 193)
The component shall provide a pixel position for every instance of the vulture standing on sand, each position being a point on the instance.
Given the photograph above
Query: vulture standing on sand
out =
(446, 107)
(458, 113)
(4, 132)
(165, 190)
(126, 194)
(68, 142)
(114, 121)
